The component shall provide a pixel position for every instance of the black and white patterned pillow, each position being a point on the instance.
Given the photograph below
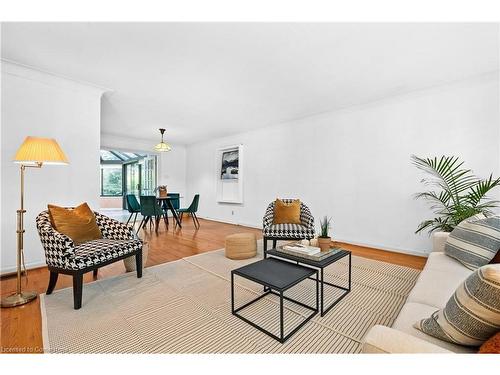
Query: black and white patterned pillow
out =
(472, 315)
(474, 242)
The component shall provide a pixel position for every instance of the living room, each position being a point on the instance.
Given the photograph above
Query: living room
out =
(250, 187)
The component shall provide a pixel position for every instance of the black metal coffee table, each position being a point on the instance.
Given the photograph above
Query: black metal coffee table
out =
(321, 265)
(277, 276)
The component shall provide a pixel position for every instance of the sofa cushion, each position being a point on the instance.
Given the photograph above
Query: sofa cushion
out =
(288, 231)
(444, 263)
(472, 315)
(474, 242)
(381, 339)
(412, 312)
(438, 281)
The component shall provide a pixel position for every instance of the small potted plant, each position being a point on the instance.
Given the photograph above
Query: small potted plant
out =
(324, 240)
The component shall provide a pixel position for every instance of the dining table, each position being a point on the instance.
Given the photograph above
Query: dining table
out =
(166, 202)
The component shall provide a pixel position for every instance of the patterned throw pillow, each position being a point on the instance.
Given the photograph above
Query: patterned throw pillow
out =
(472, 315)
(474, 243)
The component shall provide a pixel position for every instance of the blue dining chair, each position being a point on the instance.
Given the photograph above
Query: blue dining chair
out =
(192, 209)
(175, 202)
(149, 210)
(175, 199)
(133, 207)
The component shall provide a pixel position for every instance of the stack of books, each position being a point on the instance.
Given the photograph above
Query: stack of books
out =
(302, 249)
(308, 252)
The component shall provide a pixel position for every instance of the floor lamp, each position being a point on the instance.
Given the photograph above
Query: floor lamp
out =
(33, 153)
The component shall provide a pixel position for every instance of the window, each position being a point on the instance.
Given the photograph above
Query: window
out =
(148, 177)
(113, 156)
(111, 180)
(109, 156)
(127, 173)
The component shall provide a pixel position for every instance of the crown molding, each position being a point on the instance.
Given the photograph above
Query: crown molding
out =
(28, 72)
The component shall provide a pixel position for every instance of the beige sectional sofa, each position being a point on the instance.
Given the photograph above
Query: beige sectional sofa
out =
(435, 285)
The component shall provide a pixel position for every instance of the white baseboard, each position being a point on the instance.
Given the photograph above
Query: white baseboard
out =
(13, 269)
(351, 241)
(231, 222)
(385, 248)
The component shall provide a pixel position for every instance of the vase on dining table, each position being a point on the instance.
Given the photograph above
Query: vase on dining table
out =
(162, 191)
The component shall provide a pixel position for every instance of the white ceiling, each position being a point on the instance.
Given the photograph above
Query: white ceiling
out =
(203, 80)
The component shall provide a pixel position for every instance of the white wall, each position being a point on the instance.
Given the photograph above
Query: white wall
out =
(171, 165)
(354, 164)
(39, 104)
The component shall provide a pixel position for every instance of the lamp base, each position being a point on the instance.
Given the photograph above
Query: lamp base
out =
(18, 299)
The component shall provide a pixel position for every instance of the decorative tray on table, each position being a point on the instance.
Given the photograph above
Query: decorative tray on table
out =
(309, 252)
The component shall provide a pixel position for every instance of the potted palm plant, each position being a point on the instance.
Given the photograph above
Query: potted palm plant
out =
(457, 193)
(324, 240)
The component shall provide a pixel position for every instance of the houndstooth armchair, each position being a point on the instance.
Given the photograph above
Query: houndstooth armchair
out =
(63, 256)
(276, 232)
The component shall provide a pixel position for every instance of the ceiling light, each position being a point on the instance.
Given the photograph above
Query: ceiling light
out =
(162, 146)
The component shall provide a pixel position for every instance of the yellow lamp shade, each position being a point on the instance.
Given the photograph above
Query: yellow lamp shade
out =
(40, 150)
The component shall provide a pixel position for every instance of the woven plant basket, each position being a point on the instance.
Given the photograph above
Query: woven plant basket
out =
(130, 261)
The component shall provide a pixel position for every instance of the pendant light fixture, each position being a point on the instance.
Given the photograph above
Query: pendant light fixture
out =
(162, 146)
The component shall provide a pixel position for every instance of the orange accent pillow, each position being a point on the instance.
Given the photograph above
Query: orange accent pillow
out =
(77, 223)
(287, 213)
(492, 345)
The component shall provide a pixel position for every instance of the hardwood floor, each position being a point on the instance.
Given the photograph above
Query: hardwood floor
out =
(21, 329)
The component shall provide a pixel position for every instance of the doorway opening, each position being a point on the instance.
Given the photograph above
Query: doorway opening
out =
(125, 173)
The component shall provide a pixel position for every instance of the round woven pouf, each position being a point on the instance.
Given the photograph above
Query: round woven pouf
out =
(241, 246)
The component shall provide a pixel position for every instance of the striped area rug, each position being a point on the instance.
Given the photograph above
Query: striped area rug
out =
(185, 307)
